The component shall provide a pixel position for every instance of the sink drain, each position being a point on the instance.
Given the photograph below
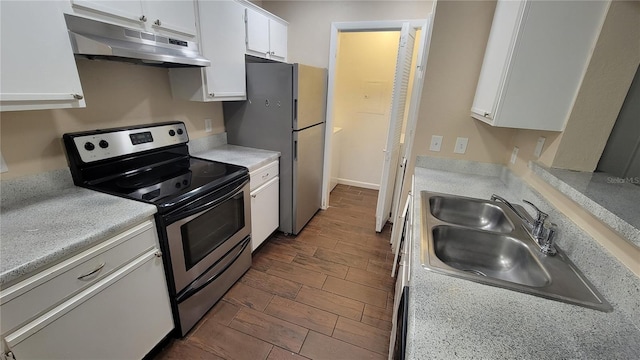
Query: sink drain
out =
(475, 272)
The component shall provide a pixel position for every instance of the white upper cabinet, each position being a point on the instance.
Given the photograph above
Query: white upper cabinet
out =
(535, 60)
(36, 62)
(170, 18)
(278, 40)
(228, 30)
(266, 35)
(125, 10)
(257, 33)
(222, 39)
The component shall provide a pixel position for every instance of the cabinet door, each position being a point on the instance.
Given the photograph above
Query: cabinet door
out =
(264, 212)
(36, 62)
(277, 40)
(177, 16)
(122, 317)
(496, 59)
(127, 10)
(257, 33)
(222, 41)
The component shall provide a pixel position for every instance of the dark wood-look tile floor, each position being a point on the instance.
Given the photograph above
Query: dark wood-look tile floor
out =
(324, 294)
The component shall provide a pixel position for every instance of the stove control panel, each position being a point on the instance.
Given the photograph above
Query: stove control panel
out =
(107, 144)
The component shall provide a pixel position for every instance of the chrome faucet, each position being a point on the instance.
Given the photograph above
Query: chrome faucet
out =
(542, 232)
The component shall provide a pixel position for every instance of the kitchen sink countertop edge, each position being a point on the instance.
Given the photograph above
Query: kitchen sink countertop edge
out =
(455, 318)
(45, 219)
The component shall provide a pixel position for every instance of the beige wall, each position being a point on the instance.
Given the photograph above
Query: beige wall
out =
(459, 37)
(604, 87)
(362, 111)
(117, 94)
(310, 22)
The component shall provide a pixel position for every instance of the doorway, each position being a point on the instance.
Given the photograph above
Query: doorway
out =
(371, 102)
(365, 68)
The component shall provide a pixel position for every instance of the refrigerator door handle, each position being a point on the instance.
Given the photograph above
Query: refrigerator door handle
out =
(295, 112)
(295, 150)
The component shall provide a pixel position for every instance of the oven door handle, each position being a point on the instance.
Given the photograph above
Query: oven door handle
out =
(196, 286)
(181, 214)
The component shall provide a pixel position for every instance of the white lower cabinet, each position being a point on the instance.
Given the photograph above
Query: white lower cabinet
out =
(122, 314)
(264, 212)
(265, 203)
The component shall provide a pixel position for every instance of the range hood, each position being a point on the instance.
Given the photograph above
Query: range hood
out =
(95, 39)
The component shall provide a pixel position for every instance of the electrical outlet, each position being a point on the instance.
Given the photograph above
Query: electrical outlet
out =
(461, 145)
(436, 142)
(539, 145)
(514, 154)
(208, 125)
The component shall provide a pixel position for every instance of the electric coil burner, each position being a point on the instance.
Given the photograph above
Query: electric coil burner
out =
(203, 216)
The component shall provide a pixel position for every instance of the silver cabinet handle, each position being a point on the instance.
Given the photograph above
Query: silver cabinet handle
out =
(265, 176)
(143, 18)
(78, 96)
(82, 277)
(212, 95)
(157, 22)
(158, 253)
(253, 196)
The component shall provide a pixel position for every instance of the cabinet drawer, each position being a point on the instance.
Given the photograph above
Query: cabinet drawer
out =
(122, 316)
(262, 175)
(37, 294)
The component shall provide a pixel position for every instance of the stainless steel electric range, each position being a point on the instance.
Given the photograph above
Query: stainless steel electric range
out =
(203, 206)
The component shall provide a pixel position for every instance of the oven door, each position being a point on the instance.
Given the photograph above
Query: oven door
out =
(202, 232)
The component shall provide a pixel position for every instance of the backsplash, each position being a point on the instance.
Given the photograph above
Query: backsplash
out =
(117, 94)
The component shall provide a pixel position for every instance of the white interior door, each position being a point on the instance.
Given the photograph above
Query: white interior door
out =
(412, 118)
(398, 102)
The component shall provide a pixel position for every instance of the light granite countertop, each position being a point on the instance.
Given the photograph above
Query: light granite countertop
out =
(451, 318)
(239, 155)
(613, 200)
(45, 219)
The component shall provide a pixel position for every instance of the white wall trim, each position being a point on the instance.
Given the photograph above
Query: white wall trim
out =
(395, 25)
(361, 184)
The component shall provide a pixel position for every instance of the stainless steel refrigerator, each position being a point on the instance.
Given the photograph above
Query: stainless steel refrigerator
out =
(285, 111)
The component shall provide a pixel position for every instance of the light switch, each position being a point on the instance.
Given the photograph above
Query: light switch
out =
(3, 165)
(461, 145)
(436, 142)
(514, 154)
(539, 145)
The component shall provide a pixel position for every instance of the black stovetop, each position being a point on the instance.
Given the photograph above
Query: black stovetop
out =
(183, 178)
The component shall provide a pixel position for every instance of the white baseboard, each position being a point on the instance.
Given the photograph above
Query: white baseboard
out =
(359, 184)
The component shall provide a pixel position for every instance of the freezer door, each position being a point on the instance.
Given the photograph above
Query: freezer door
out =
(309, 96)
(308, 155)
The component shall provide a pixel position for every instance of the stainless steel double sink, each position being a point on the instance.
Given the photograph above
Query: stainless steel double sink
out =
(486, 242)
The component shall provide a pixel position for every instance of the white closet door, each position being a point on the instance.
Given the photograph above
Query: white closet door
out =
(392, 149)
(412, 118)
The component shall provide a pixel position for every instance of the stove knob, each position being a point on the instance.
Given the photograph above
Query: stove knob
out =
(103, 144)
(180, 131)
(89, 146)
(178, 185)
(185, 182)
(172, 133)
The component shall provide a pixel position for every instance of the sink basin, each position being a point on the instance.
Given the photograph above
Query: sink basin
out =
(486, 242)
(475, 213)
(486, 254)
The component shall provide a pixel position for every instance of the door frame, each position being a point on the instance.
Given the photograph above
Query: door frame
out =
(336, 28)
